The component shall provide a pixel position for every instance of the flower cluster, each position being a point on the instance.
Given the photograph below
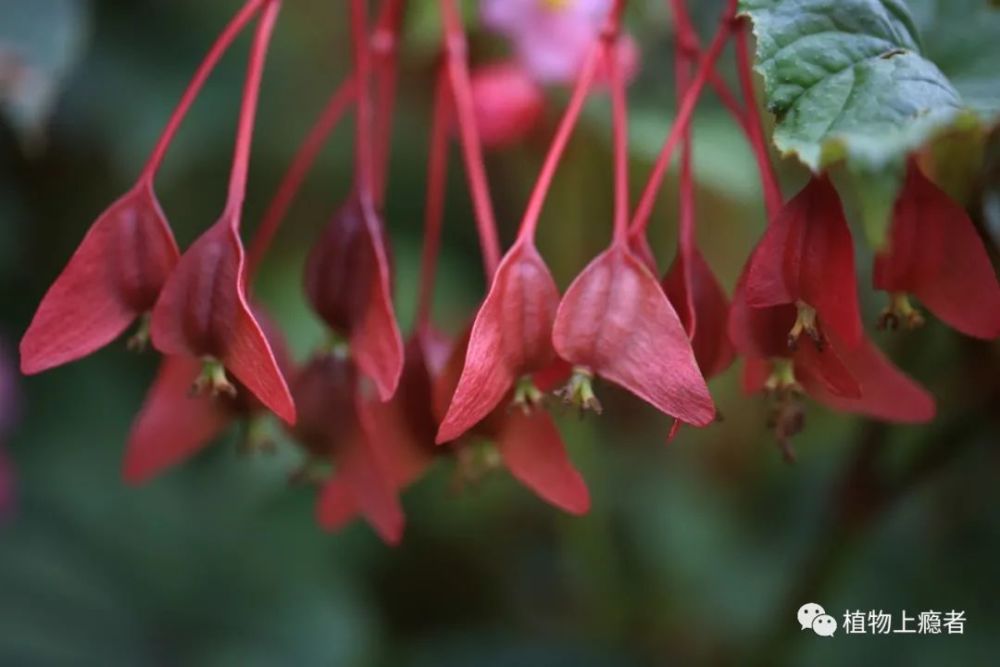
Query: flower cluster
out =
(372, 410)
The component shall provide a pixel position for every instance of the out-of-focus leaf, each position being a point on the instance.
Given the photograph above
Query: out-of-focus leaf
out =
(848, 79)
(40, 40)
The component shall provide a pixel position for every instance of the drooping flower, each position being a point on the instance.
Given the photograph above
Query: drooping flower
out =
(174, 423)
(348, 282)
(551, 38)
(935, 254)
(806, 259)
(113, 278)
(202, 311)
(527, 441)
(203, 314)
(508, 103)
(337, 424)
(511, 339)
(616, 322)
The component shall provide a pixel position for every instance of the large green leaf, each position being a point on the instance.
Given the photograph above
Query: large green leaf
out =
(847, 79)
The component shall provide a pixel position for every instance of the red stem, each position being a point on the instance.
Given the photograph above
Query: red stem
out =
(248, 111)
(437, 175)
(363, 155)
(689, 45)
(384, 45)
(584, 82)
(755, 126)
(301, 164)
(455, 48)
(642, 215)
(221, 45)
(682, 70)
(619, 115)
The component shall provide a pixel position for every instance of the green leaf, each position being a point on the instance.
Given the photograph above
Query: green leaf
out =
(847, 80)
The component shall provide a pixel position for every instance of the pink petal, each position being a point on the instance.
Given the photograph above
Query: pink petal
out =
(511, 337)
(616, 320)
(534, 453)
(172, 425)
(115, 275)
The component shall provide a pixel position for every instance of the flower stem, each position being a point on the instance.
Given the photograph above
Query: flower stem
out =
(385, 49)
(458, 70)
(215, 53)
(581, 88)
(437, 173)
(645, 209)
(682, 76)
(363, 155)
(301, 164)
(619, 122)
(248, 112)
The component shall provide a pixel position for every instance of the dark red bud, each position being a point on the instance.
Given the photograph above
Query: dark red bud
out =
(348, 283)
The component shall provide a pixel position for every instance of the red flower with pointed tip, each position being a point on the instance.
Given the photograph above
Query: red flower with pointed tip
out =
(935, 253)
(528, 442)
(114, 276)
(806, 258)
(511, 338)
(203, 313)
(348, 282)
(174, 423)
(762, 333)
(616, 321)
(337, 424)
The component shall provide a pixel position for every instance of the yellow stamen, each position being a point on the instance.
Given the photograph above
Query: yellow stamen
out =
(900, 312)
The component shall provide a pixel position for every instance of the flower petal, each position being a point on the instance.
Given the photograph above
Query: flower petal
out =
(807, 254)
(936, 254)
(886, 392)
(202, 311)
(172, 424)
(511, 337)
(534, 453)
(115, 275)
(616, 320)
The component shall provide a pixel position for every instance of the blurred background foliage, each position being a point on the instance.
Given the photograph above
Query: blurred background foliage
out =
(696, 552)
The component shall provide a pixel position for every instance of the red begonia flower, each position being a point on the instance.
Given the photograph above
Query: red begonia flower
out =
(806, 258)
(935, 253)
(507, 102)
(511, 338)
(762, 333)
(337, 423)
(203, 313)
(174, 423)
(703, 309)
(528, 441)
(114, 276)
(616, 321)
(348, 282)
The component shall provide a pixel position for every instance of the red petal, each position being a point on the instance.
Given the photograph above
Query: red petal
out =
(755, 374)
(827, 368)
(639, 245)
(703, 309)
(362, 469)
(534, 453)
(936, 254)
(616, 320)
(172, 425)
(507, 103)
(202, 311)
(886, 392)
(115, 275)
(348, 281)
(759, 332)
(807, 254)
(511, 337)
